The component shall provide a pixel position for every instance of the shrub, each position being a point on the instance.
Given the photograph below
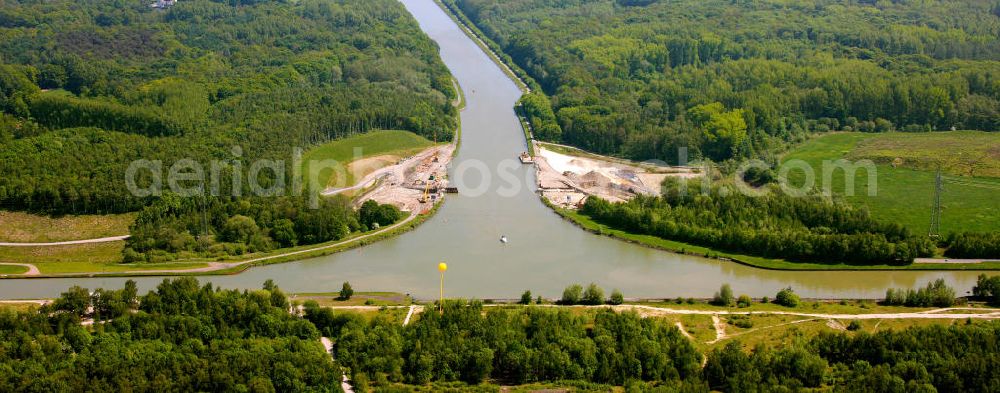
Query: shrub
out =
(346, 291)
(936, 294)
(740, 321)
(571, 295)
(724, 297)
(787, 297)
(525, 298)
(593, 295)
(854, 326)
(743, 301)
(616, 297)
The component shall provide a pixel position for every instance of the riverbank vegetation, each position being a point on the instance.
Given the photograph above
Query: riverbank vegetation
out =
(725, 79)
(775, 225)
(935, 294)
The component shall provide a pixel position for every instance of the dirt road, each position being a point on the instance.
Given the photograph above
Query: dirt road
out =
(66, 243)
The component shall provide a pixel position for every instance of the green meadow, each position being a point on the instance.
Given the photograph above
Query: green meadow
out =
(906, 166)
(374, 143)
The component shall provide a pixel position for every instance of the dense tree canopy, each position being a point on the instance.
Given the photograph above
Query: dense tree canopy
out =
(775, 225)
(180, 337)
(624, 76)
(131, 82)
(469, 343)
(173, 227)
(920, 359)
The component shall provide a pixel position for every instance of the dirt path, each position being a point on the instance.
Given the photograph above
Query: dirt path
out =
(928, 314)
(835, 325)
(408, 315)
(66, 243)
(40, 302)
(398, 170)
(343, 381)
(680, 326)
(32, 269)
(720, 329)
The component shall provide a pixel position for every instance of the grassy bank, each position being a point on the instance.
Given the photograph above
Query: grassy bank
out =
(590, 225)
(13, 269)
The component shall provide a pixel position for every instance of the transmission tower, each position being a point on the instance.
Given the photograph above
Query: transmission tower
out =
(936, 211)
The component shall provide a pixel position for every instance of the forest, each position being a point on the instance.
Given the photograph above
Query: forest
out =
(180, 337)
(774, 225)
(732, 79)
(88, 86)
(510, 346)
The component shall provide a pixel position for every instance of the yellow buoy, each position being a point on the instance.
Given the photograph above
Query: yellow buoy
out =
(442, 267)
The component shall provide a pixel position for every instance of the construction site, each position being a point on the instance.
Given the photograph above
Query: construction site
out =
(568, 180)
(413, 184)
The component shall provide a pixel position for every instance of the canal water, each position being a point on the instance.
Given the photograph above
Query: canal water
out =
(544, 252)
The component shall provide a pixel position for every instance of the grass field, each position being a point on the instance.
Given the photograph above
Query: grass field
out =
(959, 153)
(13, 269)
(905, 193)
(374, 143)
(80, 258)
(19, 227)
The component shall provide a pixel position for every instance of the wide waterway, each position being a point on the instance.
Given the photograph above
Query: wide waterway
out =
(545, 253)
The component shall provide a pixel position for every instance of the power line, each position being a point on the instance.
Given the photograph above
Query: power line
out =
(936, 212)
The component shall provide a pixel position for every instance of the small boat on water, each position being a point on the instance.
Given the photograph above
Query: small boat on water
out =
(503, 239)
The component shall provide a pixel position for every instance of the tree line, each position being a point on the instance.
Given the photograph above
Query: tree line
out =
(775, 225)
(973, 245)
(174, 227)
